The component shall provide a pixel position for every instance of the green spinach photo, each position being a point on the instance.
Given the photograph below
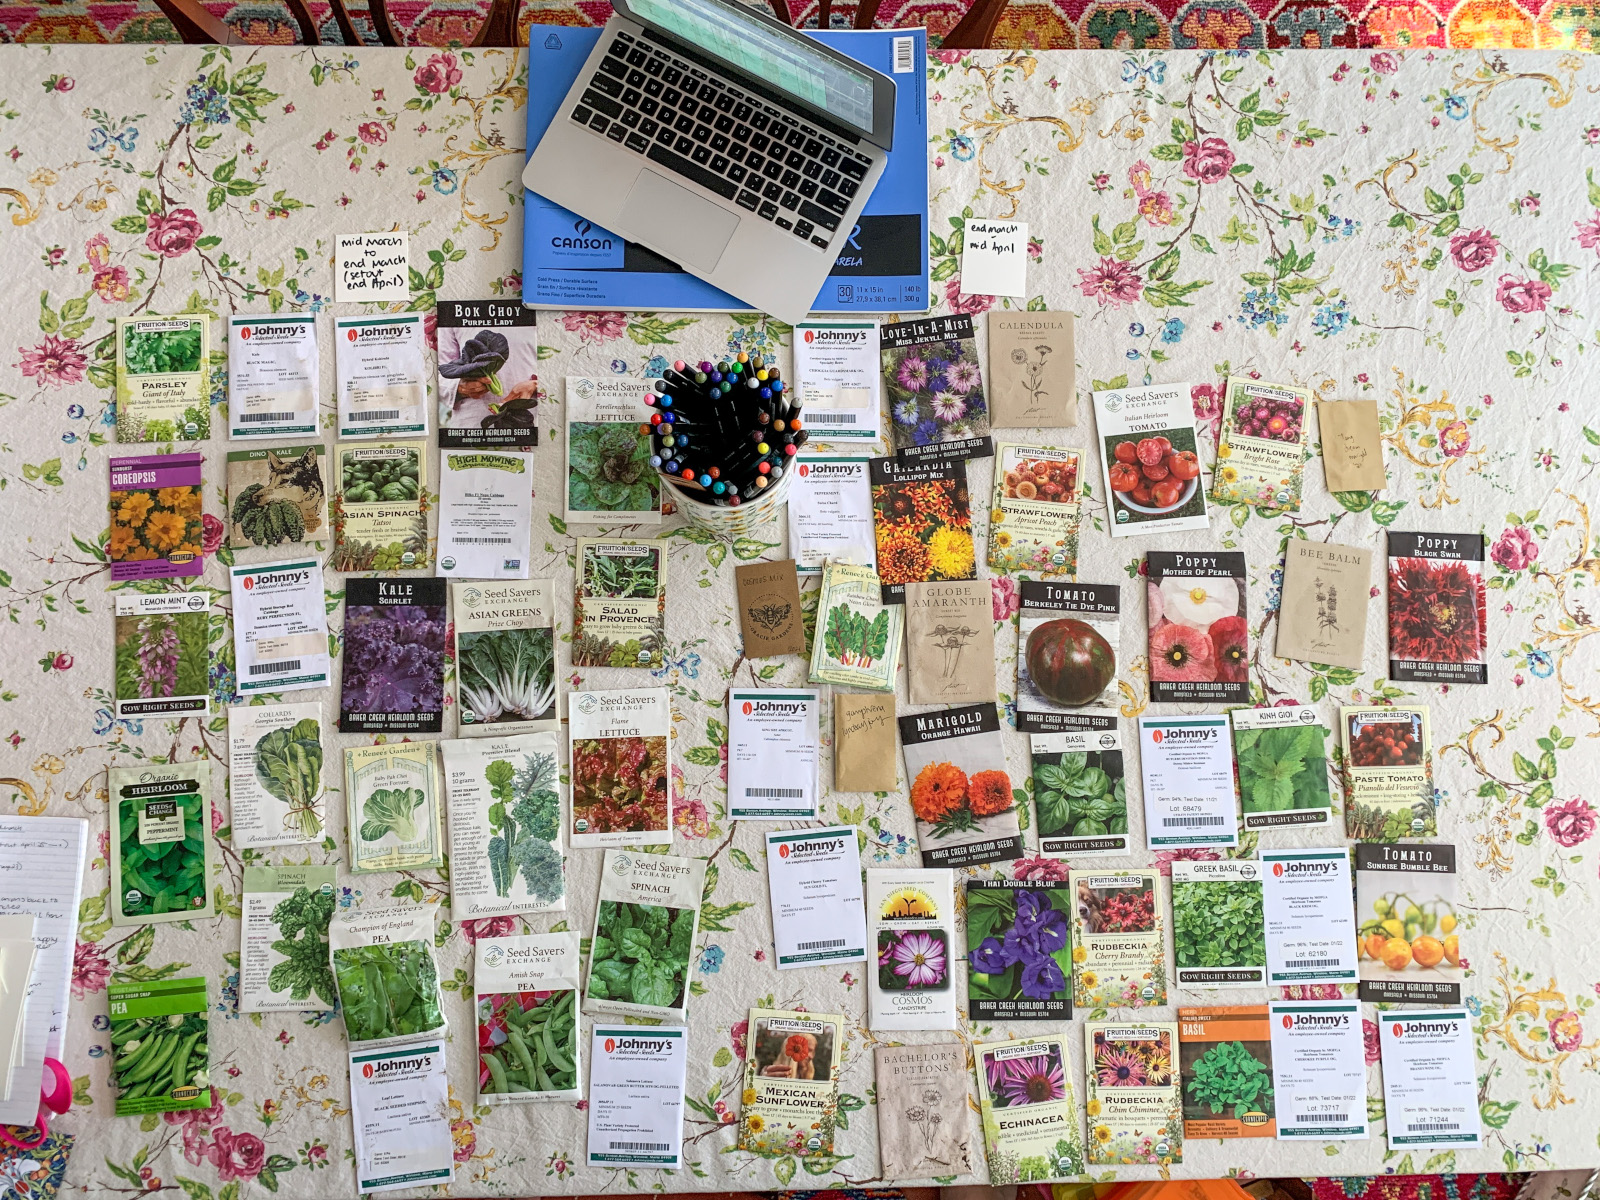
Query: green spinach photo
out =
(640, 954)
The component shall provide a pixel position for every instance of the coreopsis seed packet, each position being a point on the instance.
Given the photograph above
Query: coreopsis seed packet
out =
(1019, 963)
(934, 385)
(283, 939)
(911, 924)
(380, 515)
(949, 642)
(503, 795)
(1226, 1073)
(392, 676)
(163, 655)
(830, 512)
(277, 497)
(1261, 451)
(160, 1045)
(1438, 619)
(1032, 369)
(162, 851)
(922, 523)
(791, 1083)
(383, 383)
(272, 375)
(1388, 773)
(526, 990)
(1199, 637)
(836, 380)
(620, 754)
(163, 378)
(1080, 792)
(485, 513)
(275, 781)
(923, 1130)
(1134, 1107)
(1148, 453)
(1067, 638)
(155, 505)
(1282, 766)
(619, 611)
(1030, 1120)
(1406, 923)
(395, 817)
(609, 476)
(644, 931)
(1119, 958)
(505, 656)
(1219, 937)
(280, 628)
(489, 393)
(857, 641)
(1035, 515)
(961, 791)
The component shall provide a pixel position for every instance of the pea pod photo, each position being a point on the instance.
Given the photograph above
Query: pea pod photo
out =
(160, 1046)
(386, 975)
(527, 1017)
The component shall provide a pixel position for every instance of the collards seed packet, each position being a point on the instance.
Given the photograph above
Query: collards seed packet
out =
(1261, 452)
(1148, 452)
(1438, 618)
(1030, 1120)
(934, 386)
(1035, 514)
(922, 520)
(1080, 791)
(164, 378)
(1226, 1072)
(155, 507)
(790, 1104)
(380, 516)
(272, 376)
(395, 815)
(609, 477)
(1119, 958)
(961, 791)
(1019, 961)
(505, 656)
(1067, 639)
(277, 497)
(392, 676)
(275, 781)
(1134, 1107)
(1199, 635)
(163, 653)
(1388, 773)
(619, 613)
(489, 389)
(1406, 924)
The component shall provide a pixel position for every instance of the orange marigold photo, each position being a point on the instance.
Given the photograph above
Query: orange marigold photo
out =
(938, 790)
(989, 792)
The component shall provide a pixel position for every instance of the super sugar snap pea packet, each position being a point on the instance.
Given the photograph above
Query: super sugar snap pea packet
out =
(162, 853)
(387, 976)
(160, 1046)
(527, 1000)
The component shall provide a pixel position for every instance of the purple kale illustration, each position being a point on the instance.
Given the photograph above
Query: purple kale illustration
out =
(394, 664)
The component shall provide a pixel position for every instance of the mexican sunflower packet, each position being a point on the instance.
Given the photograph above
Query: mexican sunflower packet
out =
(790, 1103)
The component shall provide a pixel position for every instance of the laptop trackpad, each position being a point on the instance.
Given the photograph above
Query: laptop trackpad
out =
(677, 222)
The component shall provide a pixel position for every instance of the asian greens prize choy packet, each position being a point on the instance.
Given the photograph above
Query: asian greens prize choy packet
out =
(505, 656)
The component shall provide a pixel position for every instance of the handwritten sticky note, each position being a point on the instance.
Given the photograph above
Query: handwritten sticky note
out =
(372, 266)
(994, 258)
(1352, 446)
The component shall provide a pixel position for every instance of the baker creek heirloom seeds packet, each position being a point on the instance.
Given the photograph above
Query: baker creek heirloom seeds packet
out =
(620, 755)
(283, 940)
(1148, 455)
(922, 522)
(489, 391)
(272, 375)
(1035, 515)
(394, 819)
(1388, 773)
(791, 1083)
(644, 932)
(163, 378)
(277, 497)
(485, 513)
(383, 383)
(1261, 451)
(1018, 961)
(1226, 1056)
(163, 654)
(162, 851)
(1118, 956)
(160, 1045)
(911, 920)
(1030, 1120)
(392, 677)
(1219, 935)
(380, 517)
(1134, 1105)
(934, 387)
(505, 825)
(526, 990)
(275, 782)
(1199, 639)
(857, 641)
(830, 512)
(923, 1131)
(1283, 767)
(949, 642)
(1067, 637)
(961, 792)
(155, 505)
(619, 613)
(505, 656)
(280, 628)
(1438, 620)
(609, 476)
(1407, 926)
(1080, 795)
(836, 379)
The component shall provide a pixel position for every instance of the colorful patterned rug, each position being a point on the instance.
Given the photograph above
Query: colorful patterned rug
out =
(1040, 24)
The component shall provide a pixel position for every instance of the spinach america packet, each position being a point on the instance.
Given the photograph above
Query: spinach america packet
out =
(648, 917)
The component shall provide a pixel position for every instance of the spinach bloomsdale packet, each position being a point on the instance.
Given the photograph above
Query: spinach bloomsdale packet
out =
(1018, 960)
(1118, 956)
(961, 793)
(505, 656)
(923, 1132)
(393, 819)
(1030, 1120)
(619, 614)
(162, 851)
(505, 825)
(644, 931)
(791, 1083)
(1199, 638)
(527, 997)
(1438, 619)
(1226, 1056)
(392, 677)
(283, 951)
(1388, 773)
(1135, 1110)
(163, 654)
(913, 918)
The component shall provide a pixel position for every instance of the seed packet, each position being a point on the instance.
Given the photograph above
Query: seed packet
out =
(609, 476)
(1188, 782)
(922, 523)
(1067, 639)
(1135, 1110)
(489, 389)
(1352, 445)
(526, 990)
(1261, 451)
(1219, 937)
(392, 678)
(857, 642)
(163, 653)
(1407, 926)
(1322, 617)
(280, 628)
(1118, 959)
(864, 743)
(1310, 926)
(394, 811)
(1199, 638)
(1032, 369)
(485, 513)
(162, 853)
(961, 792)
(163, 379)
(935, 389)
(836, 379)
(773, 752)
(769, 609)
(1018, 958)
(272, 375)
(636, 1088)
(619, 613)
(911, 918)
(1034, 516)
(644, 934)
(1226, 1057)
(277, 497)
(155, 517)
(505, 825)
(275, 786)
(380, 516)
(1388, 773)
(160, 1045)
(619, 746)
(814, 883)
(1319, 1070)
(1430, 1079)
(791, 1083)
(949, 642)
(1438, 621)
(923, 1131)
(1283, 769)
(283, 944)
(1080, 792)
(1148, 454)
(383, 385)
(387, 976)
(505, 656)
(830, 512)
(1030, 1119)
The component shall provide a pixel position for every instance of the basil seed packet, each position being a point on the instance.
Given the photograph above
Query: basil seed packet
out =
(162, 853)
(1219, 935)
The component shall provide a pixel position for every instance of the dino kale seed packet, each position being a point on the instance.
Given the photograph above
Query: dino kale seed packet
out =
(162, 851)
(163, 656)
(394, 820)
(1199, 639)
(280, 628)
(1034, 515)
(1283, 767)
(272, 376)
(1226, 1072)
(857, 643)
(1030, 1120)
(160, 1046)
(1261, 451)
(1067, 639)
(526, 989)
(155, 507)
(1018, 961)
(380, 516)
(275, 786)
(505, 656)
(383, 386)
(609, 477)
(1388, 773)
(489, 389)
(277, 497)
(1118, 956)
(392, 677)
(387, 975)
(961, 791)
(163, 379)
(642, 952)
(1406, 924)
(1080, 792)
(485, 513)
(283, 943)
(505, 825)
(1438, 619)
(1135, 1111)
(911, 922)
(790, 1102)
(619, 613)
(1219, 935)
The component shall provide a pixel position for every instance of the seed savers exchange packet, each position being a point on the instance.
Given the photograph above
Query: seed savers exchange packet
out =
(283, 951)
(489, 389)
(383, 384)
(1406, 923)
(620, 766)
(380, 518)
(485, 513)
(791, 1082)
(1018, 961)
(163, 653)
(394, 818)
(1067, 638)
(1135, 1109)
(505, 825)
(277, 496)
(1283, 770)
(392, 677)
(857, 642)
(911, 915)
(155, 508)
(275, 787)
(162, 850)
(1148, 454)
(961, 793)
(1035, 514)
(163, 379)
(526, 990)
(505, 656)
(922, 1110)
(272, 375)
(1388, 773)
(1118, 956)
(1261, 452)
(280, 628)
(1438, 624)
(1199, 639)
(644, 933)
(1227, 1072)
(619, 614)
(1030, 1121)
(609, 476)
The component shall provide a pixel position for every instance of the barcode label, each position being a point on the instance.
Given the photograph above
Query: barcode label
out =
(1314, 962)
(274, 668)
(774, 793)
(261, 418)
(381, 414)
(827, 945)
(1190, 822)
(1321, 1119)
(658, 1146)
(823, 417)
(1433, 1127)
(903, 48)
(483, 541)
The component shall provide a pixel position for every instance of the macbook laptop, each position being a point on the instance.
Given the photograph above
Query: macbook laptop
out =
(722, 139)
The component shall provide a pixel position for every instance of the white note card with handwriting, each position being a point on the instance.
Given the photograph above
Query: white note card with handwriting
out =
(372, 266)
(994, 258)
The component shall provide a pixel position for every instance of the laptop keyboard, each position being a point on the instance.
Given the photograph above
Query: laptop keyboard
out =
(728, 141)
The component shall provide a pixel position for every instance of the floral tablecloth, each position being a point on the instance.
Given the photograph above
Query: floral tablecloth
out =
(1422, 229)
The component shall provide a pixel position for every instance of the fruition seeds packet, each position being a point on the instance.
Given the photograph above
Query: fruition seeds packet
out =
(1135, 1110)
(1118, 956)
(791, 1083)
(1261, 452)
(1035, 514)
(1388, 773)
(1030, 1120)
(163, 378)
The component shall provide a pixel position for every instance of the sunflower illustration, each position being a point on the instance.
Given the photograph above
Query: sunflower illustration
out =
(748, 1096)
(1080, 955)
(1102, 1134)
(1090, 980)
(755, 1123)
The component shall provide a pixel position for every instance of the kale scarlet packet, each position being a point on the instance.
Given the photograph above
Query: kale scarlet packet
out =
(488, 375)
(1067, 638)
(922, 523)
(394, 646)
(931, 376)
(1199, 638)
(1438, 619)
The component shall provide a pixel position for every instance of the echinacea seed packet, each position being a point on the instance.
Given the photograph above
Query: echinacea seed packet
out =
(1030, 1119)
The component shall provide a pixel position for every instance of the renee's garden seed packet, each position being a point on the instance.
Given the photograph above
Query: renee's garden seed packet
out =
(1019, 962)
(1261, 452)
(961, 792)
(283, 950)
(1406, 924)
(1199, 637)
(1118, 952)
(1438, 619)
(1149, 457)
(526, 989)
(619, 613)
(485, 513)
(277, 497)
(394, 819)
(392, 677)
(280, 628)
(790, 1104)
(1226, 1072)
(1134, 1106)
(503, 796)
(163, 378)
(1388, 773)
(162, 849)
(1067, 637)
(489, 389)
(911, 924)
(163, 655)
(1080, 793)
(857, 641)
(922, 522)
(1219, 937)
(1035, 514)
(383, 385)
(380, 516)
(644, 934)
(620, 768)
(155, 506)
(934, 385)
(1030, 1121)
(609, 476)
(275, 774)
(272, 376)
(1283, 767)
(505, 656)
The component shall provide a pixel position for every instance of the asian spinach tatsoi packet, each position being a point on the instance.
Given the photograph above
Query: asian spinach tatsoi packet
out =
(644, 931)
(386, 974)
(527, 994)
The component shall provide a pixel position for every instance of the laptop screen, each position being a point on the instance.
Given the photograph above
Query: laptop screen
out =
(790, 63)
